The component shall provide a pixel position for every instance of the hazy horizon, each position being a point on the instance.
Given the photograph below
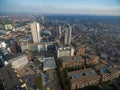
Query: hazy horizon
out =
(74, 7)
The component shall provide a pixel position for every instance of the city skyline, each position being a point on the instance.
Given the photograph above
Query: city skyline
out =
(88, 7)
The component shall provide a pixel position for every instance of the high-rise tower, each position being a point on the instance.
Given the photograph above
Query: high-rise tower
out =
(35, 27)
(67, 36)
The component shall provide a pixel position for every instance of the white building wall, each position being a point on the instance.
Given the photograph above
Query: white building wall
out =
(19, 62)
(35, 28)
(65, 52)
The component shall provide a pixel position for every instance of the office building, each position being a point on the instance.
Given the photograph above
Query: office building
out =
(43, 19)
(67, 36)
(59, 32)
(35, 28)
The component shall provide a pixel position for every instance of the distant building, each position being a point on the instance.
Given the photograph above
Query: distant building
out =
(3, 44)
(42, 47)
(3, 51)
(91, 59)
(35, 28)
(1, 61)
(29, 55)
(60, 30)
(36, 47)
(13, 49)
(18, 61)
(43, 19)
(18, 48)
(80, 51)
(8, 27)
(30, 46)
(67, 36)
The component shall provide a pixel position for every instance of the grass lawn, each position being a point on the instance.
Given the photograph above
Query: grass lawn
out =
(38, 82)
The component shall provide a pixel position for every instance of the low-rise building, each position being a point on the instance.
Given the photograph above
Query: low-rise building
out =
(67, 62)
(80, 51)
(82, 78)
(73, 61)
(49, 63)
(92, 59)
(107, 72)
(18, 61)
(92, 76)
(30, 46)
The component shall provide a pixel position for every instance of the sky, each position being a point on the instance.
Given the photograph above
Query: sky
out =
(91, 7)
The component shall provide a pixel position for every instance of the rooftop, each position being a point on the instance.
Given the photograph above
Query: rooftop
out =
(75, 58)
(16, 57)
(106, 69)
(82, 74)
(49, 63)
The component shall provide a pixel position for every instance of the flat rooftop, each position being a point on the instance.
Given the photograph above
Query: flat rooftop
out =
(73, 58)
(16, 57)
(106, 69)
(82, 74)
(49, 63)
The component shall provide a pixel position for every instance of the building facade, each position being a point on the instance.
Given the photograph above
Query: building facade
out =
(67, 36)
(74, 61)
(18, 61)
(68, 62)
(92, 76)
(35, 28)
(80, 51)
(82, 78)
(65, 51)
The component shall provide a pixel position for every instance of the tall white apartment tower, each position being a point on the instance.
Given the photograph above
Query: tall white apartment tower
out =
(67, 36)
(35, 28)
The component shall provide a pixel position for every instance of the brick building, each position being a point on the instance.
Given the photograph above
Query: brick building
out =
(107, 72)
(92, 76)
(92, 59)
(82, 78)
(80, 51)
(67, 62)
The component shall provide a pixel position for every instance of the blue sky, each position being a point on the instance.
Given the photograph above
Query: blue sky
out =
(94, 7)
